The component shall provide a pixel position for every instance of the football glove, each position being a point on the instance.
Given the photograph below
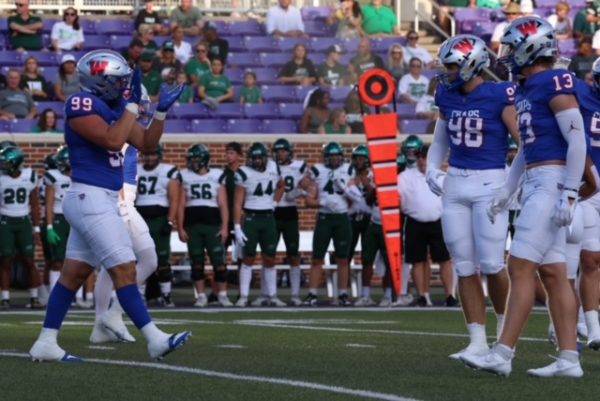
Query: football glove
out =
(498, 204)
(168, 96)
(240, 237)
(435, 179)
(52, 237)
(565, 207)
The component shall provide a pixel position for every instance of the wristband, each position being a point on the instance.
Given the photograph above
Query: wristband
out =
(133, 108)
(36, 229)
(159, 115)
(48, 227)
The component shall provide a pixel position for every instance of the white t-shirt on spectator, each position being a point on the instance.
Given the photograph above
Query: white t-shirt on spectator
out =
(596, 40)
(65, 34)
(418, 52)
(499, 31)
(184, 52)
(282, 20)
(426, 104)
(561, 28)
(417, 200)
(414, 88)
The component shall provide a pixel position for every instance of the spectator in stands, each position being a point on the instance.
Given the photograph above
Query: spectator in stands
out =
(299, 70)
(446, 8)
(332, 72)
(493, 3)
(47, 123)
(250, 92)
(188, 17)
(217, 46)
(413, 86)
(146, 36)
(167, 59)
(354, 113)
(412, 49)
(24, 29)
(379, 21)
(337, 123)
(168, 76)
(197, 67)
(348, 18)
(215, 86)
(183, 50)
(316, 112)
(14, 101)
(596, 42)
(67, 82)
(187, 96)
(583, 60)
(134, 52)
(512, 12)
(425, 107)
(151, 78)
(285, 21)
(586, 21)
(561, 21)
(34, 82)
(148, 16)
(67, 35)
(396, 64)
(364, 60)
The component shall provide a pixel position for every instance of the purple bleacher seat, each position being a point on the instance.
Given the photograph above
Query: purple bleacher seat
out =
(302, 91)
(261, 111)
(11, 58)
(4, 24)
(4, 126)
(43, 58)
(320, 45)
(222, 27)
(250, 27)
(119, 42)
(467, 26)
(310, 13)
(291, 110)
(93, 42)
(177, 126)
(384, 44)
(350, 45)
(114, 27)
(209, 126)
(260, 44)
(47, 24)
(406, 111)
(57, 107)
(275, 60)
(22, 125)
(340, 93)
(279, 127)
(415, 126)
(244, 126)
(317, 58)
(60, 124)
(484, 29)
(236, 43)
(467, 14)
(50, 73)
(160, 40)
(265, 76)
(548, 3)
(317, 28)
(278, 93)
(235, 75)
(346, 57)
(430, 72)
(228, 110)
(567, 47)
(243, 60)
(287, 44)
(88, 26)
(188, 111)
(3, 42)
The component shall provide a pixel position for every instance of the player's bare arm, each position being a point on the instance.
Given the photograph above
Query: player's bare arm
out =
(183, 237)
(173, 195)
(50, 203)
(509, 118)
(238, 202)
(224, 211)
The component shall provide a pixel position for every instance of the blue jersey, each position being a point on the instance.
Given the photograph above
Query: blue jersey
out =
(92, 164)
(478, 138)
(130, 165)
(589, 104)
(541, 137)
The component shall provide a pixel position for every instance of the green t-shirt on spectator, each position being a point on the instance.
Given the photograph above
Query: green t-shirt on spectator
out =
(194, 68)
(188, 19)
(251, 95)
(152, 81)
(490, 3)
(215, 86)
(24, 40)
(330, 130)
(378, 20)
(187, 96)
(458, 3)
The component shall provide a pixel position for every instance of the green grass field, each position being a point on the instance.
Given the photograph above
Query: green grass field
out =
(289, 354)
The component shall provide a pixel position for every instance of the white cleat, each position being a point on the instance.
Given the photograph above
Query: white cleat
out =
(472, 349)
(112, 321)
(224, 301)
(201, 301)
(385, 302)
(582, 329)
(242, 302)
(159, 349)
(593, 342)
(81, 304)
(260, 301)
(295, 301)
(274, 301)
(560, 368)
(365, 301)
(100, 335)
(44, 351)
(404, 300)
(489, 362)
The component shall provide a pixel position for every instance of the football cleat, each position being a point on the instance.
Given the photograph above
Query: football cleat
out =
(560, 368)
(274, 301)
(81, 304)
(582, 329)
(35, 304)
(344, 300)
(451, 301)
(365, 301)
(593, 343)
(112, 321)
(44, 351)
(260, 301)
(404, 300)
(165, 301)
(385, 302)
(295, 301)
(201, 301)
(5, 304)
(242, 302)
(159, 349)
(473, 349)
(224, 301)
(488, 362)
(310, 300)
(100, 335)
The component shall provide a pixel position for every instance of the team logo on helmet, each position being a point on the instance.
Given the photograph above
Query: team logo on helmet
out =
(464, 46)
(528, 27)
(97, 67)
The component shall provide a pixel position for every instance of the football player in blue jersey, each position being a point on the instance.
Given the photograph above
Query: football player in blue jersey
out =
(99, 121)
(476, 118)
(552, 159)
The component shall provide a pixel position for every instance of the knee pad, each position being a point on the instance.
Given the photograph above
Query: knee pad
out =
(465, 269)
(221, 274)
(197, 272)
(164, 274)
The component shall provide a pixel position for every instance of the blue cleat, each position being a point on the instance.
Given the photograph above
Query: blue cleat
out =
(159, 349)
(46, 351)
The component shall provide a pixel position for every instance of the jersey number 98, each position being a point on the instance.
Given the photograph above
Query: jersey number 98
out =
(466, 130)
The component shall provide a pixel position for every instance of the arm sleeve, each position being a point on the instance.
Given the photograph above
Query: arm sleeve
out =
(516, 171)
(570, 122)
(439, 146)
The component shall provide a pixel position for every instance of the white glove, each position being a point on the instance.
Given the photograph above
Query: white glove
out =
(240, 237)
(565, 208)
(339, 185)
(124, 210)
(498, 204)
(435, 179)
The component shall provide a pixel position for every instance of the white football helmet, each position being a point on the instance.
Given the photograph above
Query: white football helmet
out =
(104, 73)
(469, 53)
(525, 40)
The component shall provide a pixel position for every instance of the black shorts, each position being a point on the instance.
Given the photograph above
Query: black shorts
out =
(421, 237)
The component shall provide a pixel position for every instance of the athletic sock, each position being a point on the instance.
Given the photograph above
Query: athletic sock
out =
(313, 291)
(33, 292)
(405, 275)
(388, 293)
(569, 355)
(270, 279)
(89, 296)
(102, 292)
(53, 278)
(151, 332)
(58, 306)
(264, 291)
(165, 288)
(477, 333)
(245, 278)
(504, 351)
(591, 321)
(499, 325)
(295, 275)
(132, 304)
(366, 292)
(79, 293)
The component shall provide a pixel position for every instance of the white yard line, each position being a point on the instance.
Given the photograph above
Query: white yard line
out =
(237, 377)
